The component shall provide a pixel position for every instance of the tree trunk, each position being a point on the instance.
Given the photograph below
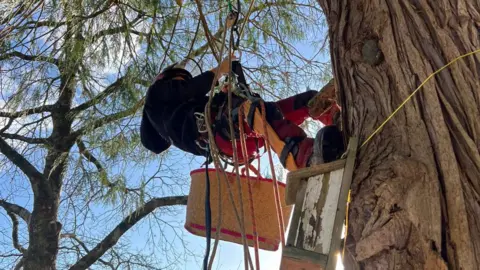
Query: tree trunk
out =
(416, 187)
(44, 231)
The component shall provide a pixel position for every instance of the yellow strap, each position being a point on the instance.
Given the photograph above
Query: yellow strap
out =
(414, 92)
(346, 227)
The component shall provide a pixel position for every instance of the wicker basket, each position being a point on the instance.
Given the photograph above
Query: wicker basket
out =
(264, 204)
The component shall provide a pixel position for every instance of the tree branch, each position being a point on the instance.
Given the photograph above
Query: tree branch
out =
(10, 255)
(36, 24)
(108, 5)
(109, 90)
(103, 173)
(208, 34)
(107, 119)
(16, 244)
(26, 167)
(7, 126)
(20, 264)
(111, 239)
(26, 57)
(89, 156)
(44, 108)
(119, 29)
(171, 36)
(85, 248)
(24, 139)
(16, 209)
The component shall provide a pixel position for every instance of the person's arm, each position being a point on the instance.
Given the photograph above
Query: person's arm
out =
(150, 137)
(175, 90)
(200, 85)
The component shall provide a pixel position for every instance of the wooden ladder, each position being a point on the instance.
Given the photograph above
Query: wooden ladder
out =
(320, 195)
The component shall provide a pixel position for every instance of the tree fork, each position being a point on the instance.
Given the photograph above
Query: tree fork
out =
(44, 229)
(416, 186)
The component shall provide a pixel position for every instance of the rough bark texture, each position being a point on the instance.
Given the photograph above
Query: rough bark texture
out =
(416, 188)
(44, 232)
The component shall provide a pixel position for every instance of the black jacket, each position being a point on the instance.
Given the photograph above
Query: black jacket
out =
(168, 115)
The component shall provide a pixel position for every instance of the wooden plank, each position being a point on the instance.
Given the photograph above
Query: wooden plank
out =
(342, 203)
(297, 212)
(318, 212)
(295, 177)
(298, 259)
(316, 231)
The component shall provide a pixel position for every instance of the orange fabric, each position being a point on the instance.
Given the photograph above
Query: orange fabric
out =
(276, 143)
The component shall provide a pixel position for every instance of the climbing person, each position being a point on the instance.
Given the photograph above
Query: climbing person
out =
(176, 99)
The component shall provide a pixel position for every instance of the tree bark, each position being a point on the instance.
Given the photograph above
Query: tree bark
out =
(416, 188)
(44, 231)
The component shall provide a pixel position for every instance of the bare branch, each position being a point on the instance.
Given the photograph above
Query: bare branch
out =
(26, 167)
(7, 126)
(112, 238)
(44, 108)
(10, 255)
(171, 36)
(85, 248)
(25, 139)
(20, 264)
(16, 209)
(39, 58)
(16, 244)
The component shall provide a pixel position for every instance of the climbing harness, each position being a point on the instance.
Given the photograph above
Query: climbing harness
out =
(202, 142)
(200, 117)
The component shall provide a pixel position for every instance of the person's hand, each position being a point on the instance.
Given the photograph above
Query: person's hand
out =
(223, 68)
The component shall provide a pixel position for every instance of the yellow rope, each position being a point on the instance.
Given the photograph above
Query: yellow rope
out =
(346, 227)
(414, 92)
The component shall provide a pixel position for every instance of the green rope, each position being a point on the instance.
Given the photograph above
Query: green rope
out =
(230, 7)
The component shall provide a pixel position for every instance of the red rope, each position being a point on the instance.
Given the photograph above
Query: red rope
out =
(275, 184)
(243, 144)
